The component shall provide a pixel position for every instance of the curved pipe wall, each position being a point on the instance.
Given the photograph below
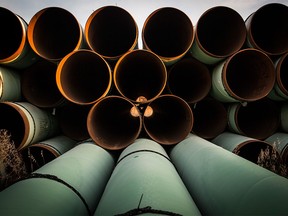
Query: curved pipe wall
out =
(10, 85)
(280, 140)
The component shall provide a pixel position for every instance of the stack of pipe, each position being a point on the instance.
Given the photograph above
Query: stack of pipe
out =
(223, 80)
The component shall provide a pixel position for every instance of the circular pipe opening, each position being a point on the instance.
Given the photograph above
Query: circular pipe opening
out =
(53, 33)
(168, 32)
(112, 125)
(169, 121)
(281, 74)
(83, 77)
(140, 76)
(111, 31)
(189, 79)
(220, 31)
(248, 75)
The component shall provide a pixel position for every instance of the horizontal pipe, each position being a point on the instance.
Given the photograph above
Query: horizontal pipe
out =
(168, 119)
(38, 85)
(83, 77)
(111, 31)
(267, 29)
(221, 183)
(247, 75)
(140, 76)
(219, 33)
(72, 184)
(10, 84)
(27, 123)
(189, 79)
(258, 119)
(56, 25)
(210, 118)
(15, 49)
(145, 181)
(280, 141)
(114, 122)
(284, 117)
(169, 33)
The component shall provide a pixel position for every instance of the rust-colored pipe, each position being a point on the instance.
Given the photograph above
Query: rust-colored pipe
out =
(83, 77)
(140, 76)
(15, 49)
(114, 122)
(258, 119)
(219, 33)
(267, 29)
(210, 118)
(247, 75)
(169, 33)
(189, 79)
(168, 119)
(38, 85)
(111, 32)
(54, 32)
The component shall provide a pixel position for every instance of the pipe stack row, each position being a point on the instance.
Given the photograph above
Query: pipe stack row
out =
(163, 116)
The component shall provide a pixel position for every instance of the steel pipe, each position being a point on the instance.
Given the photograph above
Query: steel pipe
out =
(60, 28)
(221, 183)
(140, 76)
(145, 181)
(169, 33)
(83, 77)
(280, 140)
(284, 117)
(111, 32)
(247, 75)
(267, 29)
(10, 85)
(168, 119)
(114, 122)
(219, 33)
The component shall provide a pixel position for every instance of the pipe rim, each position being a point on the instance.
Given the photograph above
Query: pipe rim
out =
(283, 61)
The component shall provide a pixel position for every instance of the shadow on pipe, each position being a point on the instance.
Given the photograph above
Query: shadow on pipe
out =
(259, 119)
(38, 85)
(189, 79)
(219, 33)
(284, 117)
(60, 28)
(210, 118)
(83, 77)
(111, 32)
(114, 122)
(168, 119)
(140, 76)
(248, 75)
(15, 49)
(169, 33)
(267, 29)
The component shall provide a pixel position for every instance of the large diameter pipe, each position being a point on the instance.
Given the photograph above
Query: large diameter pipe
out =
(280, 141)
(246, 147)
(267, 29)
(27, 123)
(169, 33)
(111, 32)
(145, 181)
(10, 85)
(15, 49)
(54, 32)
(83, 77)
(72, 184)
(210, 118)
(140, 76)
(38, 85)
(189, 79)
(114, 122)
(219, 33)
(284, 117)
(247, 75)
(221, 183)
(258, 119)
(168, 119)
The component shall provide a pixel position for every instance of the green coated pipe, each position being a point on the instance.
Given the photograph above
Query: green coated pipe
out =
(15, 49)
(10, 85)
(284, 117)
(72, 184)
(145, 181)
(280, 140)
(219, 33)
(168, 32)
(111, 31)
(221, 183)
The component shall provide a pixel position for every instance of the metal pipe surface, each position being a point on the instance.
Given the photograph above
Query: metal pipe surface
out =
(10, 84)
(280, 140)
